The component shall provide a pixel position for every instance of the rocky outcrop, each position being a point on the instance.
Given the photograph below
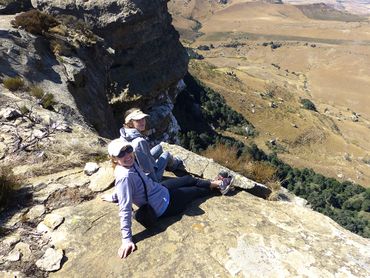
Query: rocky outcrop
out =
(234, 235)
(103, 58)
(148, 60)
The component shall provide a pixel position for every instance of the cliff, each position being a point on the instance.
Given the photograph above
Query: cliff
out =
(101, 58)
(236, 235)
(121, 53)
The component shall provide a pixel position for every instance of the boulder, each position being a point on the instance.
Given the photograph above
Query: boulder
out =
(35, 212)
(53, 220)
(51, 260)
(91, 168)
(206, 168)
(103, 179)
(25, 251)
(12, 240)
(14, 256)
(10, 113)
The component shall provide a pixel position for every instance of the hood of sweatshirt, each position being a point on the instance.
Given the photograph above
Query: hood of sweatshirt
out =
(130, 133)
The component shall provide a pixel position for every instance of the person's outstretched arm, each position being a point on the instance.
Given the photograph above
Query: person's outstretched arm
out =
(124, 194)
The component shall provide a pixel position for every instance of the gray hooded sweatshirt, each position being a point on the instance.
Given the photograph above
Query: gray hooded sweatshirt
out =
(141, 147)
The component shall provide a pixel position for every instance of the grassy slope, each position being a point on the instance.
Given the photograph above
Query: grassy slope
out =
(333, 73)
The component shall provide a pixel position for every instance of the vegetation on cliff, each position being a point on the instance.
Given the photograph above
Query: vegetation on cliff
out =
(345, 202)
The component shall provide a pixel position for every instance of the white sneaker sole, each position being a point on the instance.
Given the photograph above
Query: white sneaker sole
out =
(224, 192)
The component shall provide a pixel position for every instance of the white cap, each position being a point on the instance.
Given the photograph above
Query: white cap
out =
(116, 146)
(135, 115)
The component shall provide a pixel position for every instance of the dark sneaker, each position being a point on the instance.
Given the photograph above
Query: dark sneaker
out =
(226, 184)
(222, 174)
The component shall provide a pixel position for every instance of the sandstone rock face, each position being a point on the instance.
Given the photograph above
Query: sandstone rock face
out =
(207, 168)
(235, 235)
(238, 235)
(147, 60)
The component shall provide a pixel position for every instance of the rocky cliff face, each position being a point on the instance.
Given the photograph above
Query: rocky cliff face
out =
(147, 59)
(72, 233)
(104, 57)
(101, 59)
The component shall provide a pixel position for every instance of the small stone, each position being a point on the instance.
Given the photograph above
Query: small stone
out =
(38, 133)
(10, 113)
(354, 118)
(53, 220)
(35, 212)
(42, 228)
(11, 240)
(11, 274)
(91, 168)
(25, 250)
(14, 256)
(102, 180)
(51, 260)
(3, 150)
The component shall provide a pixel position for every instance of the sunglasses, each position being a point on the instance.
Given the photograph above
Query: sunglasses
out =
(125, 151)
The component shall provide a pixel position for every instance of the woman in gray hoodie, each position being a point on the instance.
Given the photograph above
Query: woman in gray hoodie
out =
(134, 187)
(152, 160)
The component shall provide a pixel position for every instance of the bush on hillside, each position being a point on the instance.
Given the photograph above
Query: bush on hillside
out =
(45, 99)
(8, 184)
(35, 22)
(260, 171)
(13, 83)
(308, 104)
(224, 155)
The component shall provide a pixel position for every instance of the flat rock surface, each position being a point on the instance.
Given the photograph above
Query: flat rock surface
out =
(239, 235)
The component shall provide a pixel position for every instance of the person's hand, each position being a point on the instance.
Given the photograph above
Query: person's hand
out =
(126, 249)
(107, 198)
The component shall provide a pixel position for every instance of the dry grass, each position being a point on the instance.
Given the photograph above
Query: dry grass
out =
(59, 47)
(224, 155)
(35, 22)
(261, 172)
(64, 153)
(13, 83)
(8, 184)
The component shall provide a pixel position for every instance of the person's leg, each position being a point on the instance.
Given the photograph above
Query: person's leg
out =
(156, 151)
(182, 196)
(161, 165)
(179, 182)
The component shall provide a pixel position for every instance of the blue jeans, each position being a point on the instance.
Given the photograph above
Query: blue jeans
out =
(162, 159)
(183, 191)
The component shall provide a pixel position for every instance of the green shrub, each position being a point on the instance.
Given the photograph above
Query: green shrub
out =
(35, 22)
(308, 104)
(46, 99)
(8, 184)
(37, 92)
(13, 83)
(24, 110)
